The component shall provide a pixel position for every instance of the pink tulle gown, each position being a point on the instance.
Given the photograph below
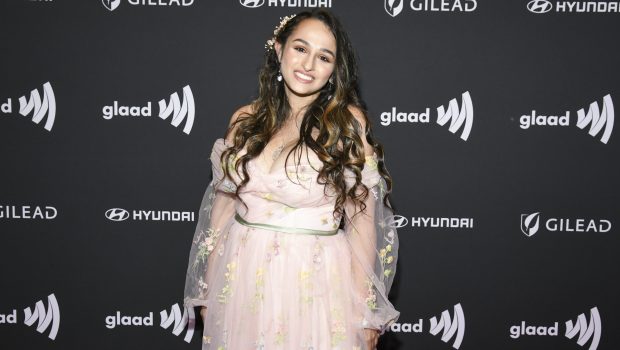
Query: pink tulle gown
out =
(275, 271)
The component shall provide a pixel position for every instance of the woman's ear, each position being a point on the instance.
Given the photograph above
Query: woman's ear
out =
(278, 48)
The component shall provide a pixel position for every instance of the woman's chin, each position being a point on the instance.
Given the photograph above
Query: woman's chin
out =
(302, 91)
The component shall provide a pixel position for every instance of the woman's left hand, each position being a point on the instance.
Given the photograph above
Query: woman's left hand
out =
(371, 338)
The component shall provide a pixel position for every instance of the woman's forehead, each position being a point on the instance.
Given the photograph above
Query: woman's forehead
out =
(316, 33)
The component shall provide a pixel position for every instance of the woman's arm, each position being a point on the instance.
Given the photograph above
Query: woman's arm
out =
(374, 244)
(215, 214)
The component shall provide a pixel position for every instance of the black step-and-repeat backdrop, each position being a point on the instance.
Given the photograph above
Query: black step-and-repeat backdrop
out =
(498, 123)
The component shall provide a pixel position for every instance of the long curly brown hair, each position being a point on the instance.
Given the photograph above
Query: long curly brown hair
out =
(338, 144)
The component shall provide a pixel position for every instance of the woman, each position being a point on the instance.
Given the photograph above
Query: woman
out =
(293, 248)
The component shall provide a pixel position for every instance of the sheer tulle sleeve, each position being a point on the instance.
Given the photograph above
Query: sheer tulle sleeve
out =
(374, 246)
(216, 210)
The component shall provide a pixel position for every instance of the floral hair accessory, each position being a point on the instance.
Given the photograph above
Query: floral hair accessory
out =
(283, 21)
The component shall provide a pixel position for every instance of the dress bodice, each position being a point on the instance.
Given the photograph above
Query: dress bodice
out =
(290, 196)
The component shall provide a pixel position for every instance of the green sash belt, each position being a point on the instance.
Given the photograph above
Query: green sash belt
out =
(303, 231)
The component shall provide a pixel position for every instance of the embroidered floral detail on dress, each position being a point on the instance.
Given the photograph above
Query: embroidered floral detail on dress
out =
(202, 285)
(317, 253)
(305, 281)
(386, 259)
(274, 249)
(206, 243)
(371, 297)
(372, 163)
(260, 343)
(259, 291)
(287, 209)
(280, 335)
(226, 292)
(338, 327)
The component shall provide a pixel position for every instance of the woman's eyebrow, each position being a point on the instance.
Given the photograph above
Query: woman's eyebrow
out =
(322, 49)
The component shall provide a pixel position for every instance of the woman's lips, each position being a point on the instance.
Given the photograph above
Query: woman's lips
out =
(303, 78)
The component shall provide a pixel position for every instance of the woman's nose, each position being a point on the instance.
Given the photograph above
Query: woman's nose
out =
(308, 63)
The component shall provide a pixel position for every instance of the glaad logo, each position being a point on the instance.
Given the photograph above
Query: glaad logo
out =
(27, 212)
(40, 108)
(462, 117)
(530, 224)
(596, 118)
(118, 214)
(111, 4)
(458, 118)
(181, 322)
(112, 321)
(539, 6)
(286, 3)
(187, 320)
(45, 318)
(451, 326)
(587, 331)
(394, 7)
(179, 111)
(544, 6)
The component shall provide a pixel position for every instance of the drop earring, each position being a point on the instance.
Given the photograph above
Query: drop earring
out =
(279, 76)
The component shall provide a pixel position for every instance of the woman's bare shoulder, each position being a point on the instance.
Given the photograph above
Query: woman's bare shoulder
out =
(242, 111)
(362, 118)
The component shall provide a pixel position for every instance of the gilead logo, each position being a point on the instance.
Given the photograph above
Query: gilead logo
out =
(113, 4)
(530, 224)
(28, 212)
(394, 7)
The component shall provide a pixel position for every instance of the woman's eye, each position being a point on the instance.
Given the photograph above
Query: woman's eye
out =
(324, 58)
(300, 49)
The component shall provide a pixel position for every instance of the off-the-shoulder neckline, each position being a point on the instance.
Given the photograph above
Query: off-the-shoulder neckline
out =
(374, 156)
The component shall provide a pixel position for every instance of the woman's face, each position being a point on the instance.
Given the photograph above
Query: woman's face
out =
(309, 57)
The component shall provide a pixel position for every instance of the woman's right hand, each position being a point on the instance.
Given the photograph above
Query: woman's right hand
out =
(203, 314)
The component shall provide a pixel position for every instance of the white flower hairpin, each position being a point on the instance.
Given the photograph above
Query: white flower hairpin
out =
(283, 21)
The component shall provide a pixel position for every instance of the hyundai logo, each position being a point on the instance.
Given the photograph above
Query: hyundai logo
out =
(117, 214)
(539, 6)
(252, 3)
(396, 221)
